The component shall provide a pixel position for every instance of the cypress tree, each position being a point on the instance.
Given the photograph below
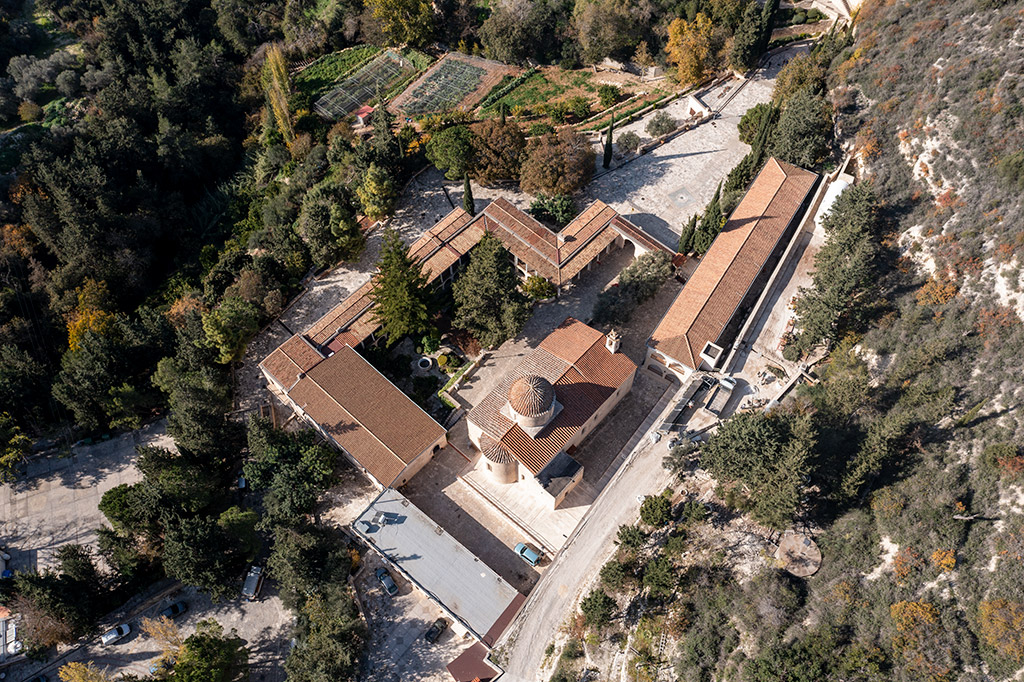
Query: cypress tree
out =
(401, 296)
(686, 238)
(488, 303)
(502, 107)
(608, 144)
(710, 223)
(467, 197)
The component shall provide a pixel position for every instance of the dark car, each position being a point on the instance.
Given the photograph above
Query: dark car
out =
(436, 630)
(387, 582)
(174, 610)
(40, 678)
(253, 583)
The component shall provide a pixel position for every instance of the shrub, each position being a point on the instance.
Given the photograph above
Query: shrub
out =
(675, 545)
(597, 608)
(29, 111)
(559, 112)
(660, 577)
(579, 106)
(628, 142)
(559, 163)
(538, 288)
(608, 94)
(538, 129)
(631, 536)
(656, 511)
(660, 124)
(442, 360)
(613, 575)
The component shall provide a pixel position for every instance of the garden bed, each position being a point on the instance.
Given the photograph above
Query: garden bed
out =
(458, 81)
(376, 76)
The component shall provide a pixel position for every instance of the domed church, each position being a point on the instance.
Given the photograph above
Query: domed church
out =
(529, 426)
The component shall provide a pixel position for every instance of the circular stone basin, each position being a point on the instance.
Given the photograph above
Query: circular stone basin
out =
(424, 363)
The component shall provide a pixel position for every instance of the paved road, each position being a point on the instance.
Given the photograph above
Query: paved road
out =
(551, 600)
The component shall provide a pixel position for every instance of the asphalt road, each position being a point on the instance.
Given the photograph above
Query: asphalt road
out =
(580, 560)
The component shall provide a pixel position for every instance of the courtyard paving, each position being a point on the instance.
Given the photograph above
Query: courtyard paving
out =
(56, 502)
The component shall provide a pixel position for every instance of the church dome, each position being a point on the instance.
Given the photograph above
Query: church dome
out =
(531, 396)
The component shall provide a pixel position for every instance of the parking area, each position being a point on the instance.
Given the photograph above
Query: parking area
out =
(265, 625)
(56, 502)
(397, 649)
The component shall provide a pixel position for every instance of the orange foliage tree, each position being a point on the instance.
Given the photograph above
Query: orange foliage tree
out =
(91, 313)
(689, 47)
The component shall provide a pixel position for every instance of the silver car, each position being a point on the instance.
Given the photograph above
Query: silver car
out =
(116, 634)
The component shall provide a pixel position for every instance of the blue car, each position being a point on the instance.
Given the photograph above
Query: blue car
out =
(528, 554)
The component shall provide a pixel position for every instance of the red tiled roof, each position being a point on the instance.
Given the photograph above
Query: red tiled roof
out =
(703, 309)
(377, 424)
(471, 666)
(561, 257)
(573, 358)
(290, 359)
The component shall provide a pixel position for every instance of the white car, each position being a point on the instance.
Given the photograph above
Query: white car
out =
(117, 634)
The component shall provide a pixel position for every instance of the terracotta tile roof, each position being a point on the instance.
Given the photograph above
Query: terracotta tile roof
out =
(561, 257)
(377, 424)
(342, 315)
(571, 339)
(702, 310)
(573, 358)
(291, 358)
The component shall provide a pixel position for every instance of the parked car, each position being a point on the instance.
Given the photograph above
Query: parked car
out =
(174, 610)
(436, 630)
(253, 583)
(528, 554)
(116, 634)
(40, 678)
(387, 582)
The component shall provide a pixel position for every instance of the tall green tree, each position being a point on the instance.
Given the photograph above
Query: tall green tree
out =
(401, 295)
(451, 150)
(767, 456)
(14, 446)
(377, 193)
(209, 655)
(804, 130)
(607, 160)
(230, 326)
(488, 302)
(404, 22)
(711, 222)
(844, 270)
(467, 197)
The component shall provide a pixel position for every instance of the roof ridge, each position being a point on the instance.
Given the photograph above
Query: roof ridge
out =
(746, 238)
(357, 421)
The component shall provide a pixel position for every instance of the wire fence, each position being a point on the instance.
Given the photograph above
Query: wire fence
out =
(373, 78)
(449, 83)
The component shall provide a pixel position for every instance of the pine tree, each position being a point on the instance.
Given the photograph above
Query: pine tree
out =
(608, 144)
(386, 149)
(401, 295)
(378, 193)
(488, 303)
(467, 197)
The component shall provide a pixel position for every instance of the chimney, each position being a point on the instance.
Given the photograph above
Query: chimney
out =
(613, 341)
